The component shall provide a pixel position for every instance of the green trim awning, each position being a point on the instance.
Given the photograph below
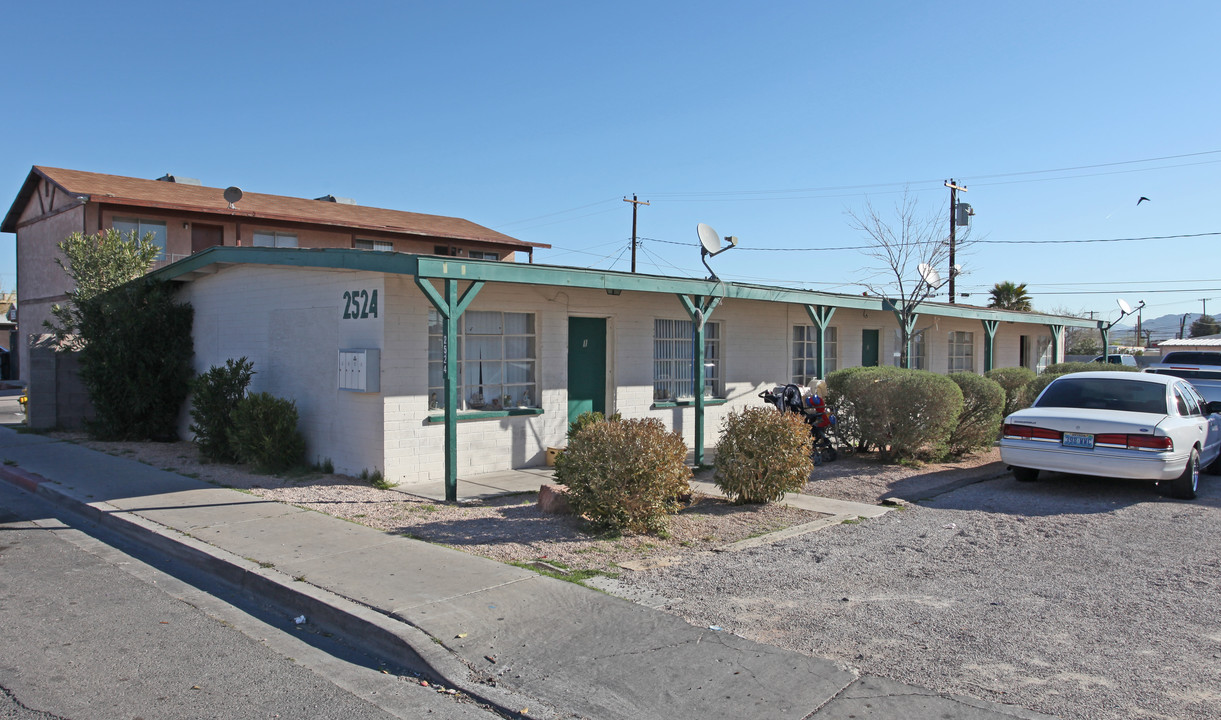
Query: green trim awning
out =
(430, 266)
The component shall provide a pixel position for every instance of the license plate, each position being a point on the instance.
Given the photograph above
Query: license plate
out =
(1078, 440)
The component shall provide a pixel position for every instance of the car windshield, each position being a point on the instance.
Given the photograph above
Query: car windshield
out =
(1105, 394)
(1188, 357)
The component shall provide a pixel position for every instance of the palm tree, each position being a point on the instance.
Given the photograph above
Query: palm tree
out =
(1009, 296)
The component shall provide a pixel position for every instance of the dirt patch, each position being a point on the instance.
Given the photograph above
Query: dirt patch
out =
(512, 529)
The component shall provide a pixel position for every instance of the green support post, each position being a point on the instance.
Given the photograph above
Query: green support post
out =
(1106, 341)
(990, 327)
(1057, 339)
(450, 307)
(699, 309)
(908, 325)
(821, 316)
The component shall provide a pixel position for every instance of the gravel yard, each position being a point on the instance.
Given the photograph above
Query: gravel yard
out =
(1079, 597)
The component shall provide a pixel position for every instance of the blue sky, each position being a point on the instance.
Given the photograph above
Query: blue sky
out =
(769, 123)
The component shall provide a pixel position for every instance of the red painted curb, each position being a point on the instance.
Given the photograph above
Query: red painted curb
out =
(25, 480)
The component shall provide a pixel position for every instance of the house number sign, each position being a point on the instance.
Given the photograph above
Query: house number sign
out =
(359, 304)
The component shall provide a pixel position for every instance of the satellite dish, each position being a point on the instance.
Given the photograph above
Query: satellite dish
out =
(708, 238)
(929, 274)
(957, 269)
(1123, 305)
(232, 195)
(711, 245)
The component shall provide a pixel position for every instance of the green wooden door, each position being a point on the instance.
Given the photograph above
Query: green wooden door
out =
(586, 366)
(869, 348)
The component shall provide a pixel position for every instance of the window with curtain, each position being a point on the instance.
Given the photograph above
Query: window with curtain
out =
(805, 353)
(673, 377)
(1044, 349)
(497, 361)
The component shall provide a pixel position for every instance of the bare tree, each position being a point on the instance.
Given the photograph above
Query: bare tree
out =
(901, 244)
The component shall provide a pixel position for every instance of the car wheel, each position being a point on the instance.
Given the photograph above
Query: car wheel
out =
(1184, 486)
(1025, 474)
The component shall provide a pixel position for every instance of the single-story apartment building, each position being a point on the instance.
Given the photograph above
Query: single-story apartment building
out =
(1206, 343)
(430, 368)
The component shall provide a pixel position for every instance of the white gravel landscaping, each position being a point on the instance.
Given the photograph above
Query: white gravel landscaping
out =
(1080, 597)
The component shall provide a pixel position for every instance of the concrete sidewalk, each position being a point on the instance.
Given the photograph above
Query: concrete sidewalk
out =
(504, 635)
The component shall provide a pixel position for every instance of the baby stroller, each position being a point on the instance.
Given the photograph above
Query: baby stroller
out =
(813, 409)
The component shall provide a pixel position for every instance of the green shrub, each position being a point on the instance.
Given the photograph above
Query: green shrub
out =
(215, 395)
(586, 419)
(136, 360)
(762, 454)
(840, 402)
(625, 475)
(1072, 367)
(979, 423)
(903, 413)
(1014, 382)
(265, 433)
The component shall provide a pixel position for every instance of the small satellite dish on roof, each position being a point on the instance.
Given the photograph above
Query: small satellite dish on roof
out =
(710, 244)
(930, 275)
(1123, 305)
(708, 238)
(232, 195)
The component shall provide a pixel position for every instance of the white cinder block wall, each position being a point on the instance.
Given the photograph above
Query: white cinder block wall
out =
(290, 322)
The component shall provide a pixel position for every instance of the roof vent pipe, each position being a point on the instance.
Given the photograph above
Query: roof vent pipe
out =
(179, 179)
(340, 200)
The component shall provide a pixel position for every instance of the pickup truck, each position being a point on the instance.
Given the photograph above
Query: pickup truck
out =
(1200, 368)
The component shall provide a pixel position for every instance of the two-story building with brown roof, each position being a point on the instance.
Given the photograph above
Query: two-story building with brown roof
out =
(185, 217)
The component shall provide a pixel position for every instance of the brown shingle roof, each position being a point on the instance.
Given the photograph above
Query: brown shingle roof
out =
(138, 192)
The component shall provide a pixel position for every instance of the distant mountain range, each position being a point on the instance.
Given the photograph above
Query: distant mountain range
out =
(1164, 327)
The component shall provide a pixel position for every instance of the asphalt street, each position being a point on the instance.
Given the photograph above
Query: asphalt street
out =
(89, 631)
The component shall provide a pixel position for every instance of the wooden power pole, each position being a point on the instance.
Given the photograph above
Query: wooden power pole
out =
(635, 204)
(953, 223)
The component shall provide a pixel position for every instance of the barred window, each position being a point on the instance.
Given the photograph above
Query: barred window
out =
(673, 378)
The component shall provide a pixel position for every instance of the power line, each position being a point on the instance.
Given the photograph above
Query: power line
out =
(975, 242)
(725, 194)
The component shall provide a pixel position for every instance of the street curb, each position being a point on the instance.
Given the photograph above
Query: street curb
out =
(383, 636)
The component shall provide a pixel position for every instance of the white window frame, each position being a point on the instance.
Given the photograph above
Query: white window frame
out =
(273, 238)
(513, 374)
(805, 353)
(158, 228)
(961, 356)
(673, 378)
(919, 357)
(377, 245)
(1043, 348)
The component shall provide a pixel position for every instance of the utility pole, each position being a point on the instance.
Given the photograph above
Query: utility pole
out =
(1205, 310)
(1138, 311)
(953, 222)
(635, 204)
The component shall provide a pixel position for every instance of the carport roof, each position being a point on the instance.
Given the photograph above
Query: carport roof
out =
(448, 268)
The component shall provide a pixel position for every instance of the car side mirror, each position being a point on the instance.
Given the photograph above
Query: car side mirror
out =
(1214, 407)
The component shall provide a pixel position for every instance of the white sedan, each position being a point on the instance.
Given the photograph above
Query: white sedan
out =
(1112, 424)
